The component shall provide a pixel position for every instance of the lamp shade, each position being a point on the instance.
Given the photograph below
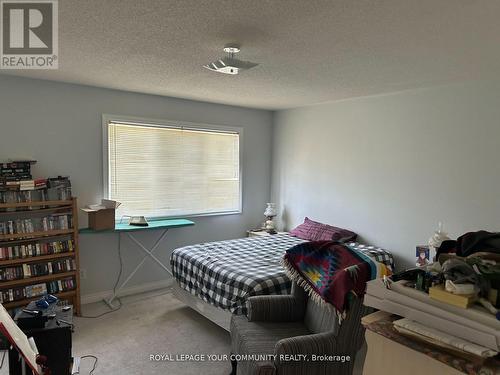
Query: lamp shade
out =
(270, 210)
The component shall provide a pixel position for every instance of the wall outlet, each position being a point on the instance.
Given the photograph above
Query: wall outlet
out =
(83, 273)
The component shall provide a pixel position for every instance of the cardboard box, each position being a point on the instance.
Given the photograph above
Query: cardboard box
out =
(102, 216)
(102, 219)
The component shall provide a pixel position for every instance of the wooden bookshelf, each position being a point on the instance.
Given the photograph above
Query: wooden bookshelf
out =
(7, 240)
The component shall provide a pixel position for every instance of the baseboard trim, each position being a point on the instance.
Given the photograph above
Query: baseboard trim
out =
(147, 287)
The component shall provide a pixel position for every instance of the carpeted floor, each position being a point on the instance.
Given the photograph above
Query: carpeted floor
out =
(154, 323)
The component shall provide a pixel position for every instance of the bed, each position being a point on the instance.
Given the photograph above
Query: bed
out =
(216, 278)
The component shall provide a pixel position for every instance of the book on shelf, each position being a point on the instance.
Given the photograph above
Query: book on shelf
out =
(17, 193)
(37, 224)
(13, 172)
(16, 169)
(30, 185)
(13, 164)
(34, 249)
(27, 270)
(37, 290)
(61, 285)
(12, 197)
(21, 188)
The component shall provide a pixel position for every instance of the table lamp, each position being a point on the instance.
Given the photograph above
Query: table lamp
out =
(270, 213)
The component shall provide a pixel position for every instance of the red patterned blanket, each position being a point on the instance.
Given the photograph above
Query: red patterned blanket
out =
(331, 272)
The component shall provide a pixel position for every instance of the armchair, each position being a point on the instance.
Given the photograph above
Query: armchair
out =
(282, 333)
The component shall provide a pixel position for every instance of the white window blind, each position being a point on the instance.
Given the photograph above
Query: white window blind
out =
(159, 171)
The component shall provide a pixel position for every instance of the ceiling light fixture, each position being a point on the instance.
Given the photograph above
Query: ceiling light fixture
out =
(230, 64)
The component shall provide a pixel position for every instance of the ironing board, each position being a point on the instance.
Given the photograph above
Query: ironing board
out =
(162, 225)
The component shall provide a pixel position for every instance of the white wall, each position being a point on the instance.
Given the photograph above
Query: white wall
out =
(390, 167)
(60, 126)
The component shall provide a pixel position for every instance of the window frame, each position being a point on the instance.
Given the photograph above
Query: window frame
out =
(133, 120)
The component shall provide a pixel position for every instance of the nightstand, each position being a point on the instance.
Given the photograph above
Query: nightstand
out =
(256, 233)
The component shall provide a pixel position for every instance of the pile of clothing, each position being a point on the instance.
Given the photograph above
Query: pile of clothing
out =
(451, 304)
(471, 265)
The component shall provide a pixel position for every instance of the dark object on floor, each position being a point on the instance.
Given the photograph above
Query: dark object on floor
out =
(53, 340)
(30, 319)
(293, 325)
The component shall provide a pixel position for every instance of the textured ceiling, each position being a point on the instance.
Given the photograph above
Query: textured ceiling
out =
(310, 51)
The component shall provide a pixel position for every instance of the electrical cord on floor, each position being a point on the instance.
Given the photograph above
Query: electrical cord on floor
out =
(95, 362)
(114, 287)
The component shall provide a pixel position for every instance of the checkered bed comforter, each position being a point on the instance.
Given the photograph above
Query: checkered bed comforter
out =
(226, 273)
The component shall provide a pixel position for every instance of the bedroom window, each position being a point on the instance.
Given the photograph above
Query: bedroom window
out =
(165, 169)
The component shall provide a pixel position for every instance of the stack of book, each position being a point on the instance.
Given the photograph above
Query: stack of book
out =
(18, 186)
(12, 172)
(37, 290)
(27, 270)
(26, 250)
(27, 185)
